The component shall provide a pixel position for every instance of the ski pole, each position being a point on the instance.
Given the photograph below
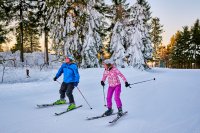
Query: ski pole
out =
(143, 81)
(58, 81)
(84, 97)
(104, 97)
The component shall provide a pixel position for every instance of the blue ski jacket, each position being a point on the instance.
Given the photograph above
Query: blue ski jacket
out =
(70, 71)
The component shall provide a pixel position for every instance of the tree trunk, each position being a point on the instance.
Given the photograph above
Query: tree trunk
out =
(46, 46)
(21, 32)
(31, 43)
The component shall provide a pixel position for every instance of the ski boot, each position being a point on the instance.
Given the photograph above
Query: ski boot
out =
(108, 112)
(61, 101)
(71, 106)
(120, 112)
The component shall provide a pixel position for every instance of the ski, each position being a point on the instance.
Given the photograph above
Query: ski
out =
(117, 118)
(48, 105)
(67, 110)
(97, 117)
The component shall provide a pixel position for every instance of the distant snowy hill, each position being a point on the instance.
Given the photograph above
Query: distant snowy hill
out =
(170, 104)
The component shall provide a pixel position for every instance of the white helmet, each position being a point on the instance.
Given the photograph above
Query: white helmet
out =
(109, 61)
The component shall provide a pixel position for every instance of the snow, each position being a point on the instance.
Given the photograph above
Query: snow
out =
(170, 104)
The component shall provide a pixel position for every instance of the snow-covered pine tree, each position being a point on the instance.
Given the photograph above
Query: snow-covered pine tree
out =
(134, 50)
(139, 46)
(75, 29)
(118, 34)
(148, 49)
(92, 42)
(106, 27)
(44, 14)
(65, 23)
(117, 44)
(57, 9)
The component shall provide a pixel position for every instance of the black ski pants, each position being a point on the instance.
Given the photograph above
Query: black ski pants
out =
(68, 89)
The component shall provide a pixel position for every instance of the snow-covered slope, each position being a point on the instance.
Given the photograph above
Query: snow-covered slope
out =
(171, 104)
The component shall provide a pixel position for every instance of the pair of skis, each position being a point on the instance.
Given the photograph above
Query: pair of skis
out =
(111, 122)
(60, 113)
(90, 118)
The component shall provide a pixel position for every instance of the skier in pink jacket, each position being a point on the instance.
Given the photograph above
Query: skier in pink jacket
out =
(112, 73)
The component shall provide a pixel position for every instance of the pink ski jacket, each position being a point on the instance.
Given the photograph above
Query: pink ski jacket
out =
(113, 78)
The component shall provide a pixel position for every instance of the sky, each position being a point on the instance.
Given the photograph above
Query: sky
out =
(173, 14)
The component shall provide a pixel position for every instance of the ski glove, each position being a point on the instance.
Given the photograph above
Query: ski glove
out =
(127, 84)
(54, 79)
(75, 84)
(102, 83)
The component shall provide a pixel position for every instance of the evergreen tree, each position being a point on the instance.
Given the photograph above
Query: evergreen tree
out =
(185, 40)
(117, 44)
(104, 29)
(118, 34)
(5, 8)
(3, 33)
(194, 47)
(176, 54)
(145, 28)
(139, 47)
(64, 23)
(165, 53)
(20, 10)
(134, 51)
(92, 41)
(180, 50)
(43, 15)
(156, 37)
(31, 38)
(30, 34)
(76, 29)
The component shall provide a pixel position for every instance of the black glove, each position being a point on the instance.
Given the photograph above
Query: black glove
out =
(127, 84)
(75, 84)
(54, 79)
(102, 83)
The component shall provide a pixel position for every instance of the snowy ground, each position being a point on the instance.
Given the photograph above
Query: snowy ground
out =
(171, 104)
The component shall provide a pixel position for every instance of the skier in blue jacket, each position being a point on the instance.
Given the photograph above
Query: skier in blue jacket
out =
(70, 80)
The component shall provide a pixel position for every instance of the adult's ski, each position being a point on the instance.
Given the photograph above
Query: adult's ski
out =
(100, 116)
(48, 105)
(67, 110)
(117, 118)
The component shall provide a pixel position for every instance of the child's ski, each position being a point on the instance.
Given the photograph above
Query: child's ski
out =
(117, 118)
(47, 105)
(97, 117)
(67, 111)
